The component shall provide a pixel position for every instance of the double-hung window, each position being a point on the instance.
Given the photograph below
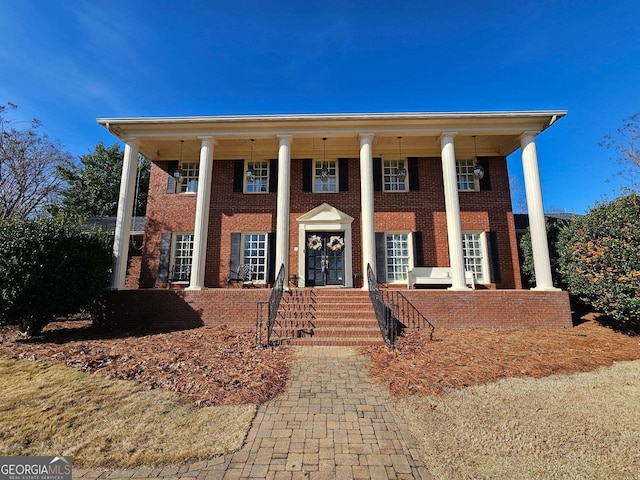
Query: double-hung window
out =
(397, 256)
(325, 176)
(394, 176)
(257, 177)
(467, 182)
(189, 177)
(475, 258)
(254, 253)
(182, 255)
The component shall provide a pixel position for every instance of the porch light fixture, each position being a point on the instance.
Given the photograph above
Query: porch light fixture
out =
(324, 173)
(178, 171)
(401, 173)
(250, 174)
(478, 170)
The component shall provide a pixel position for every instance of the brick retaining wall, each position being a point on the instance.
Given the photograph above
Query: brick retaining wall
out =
(164, 308)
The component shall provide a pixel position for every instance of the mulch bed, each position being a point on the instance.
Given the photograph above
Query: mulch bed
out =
(210, 365)
(458, 358)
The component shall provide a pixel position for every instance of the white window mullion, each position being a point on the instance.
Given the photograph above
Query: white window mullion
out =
(182, 254)
(254, 253)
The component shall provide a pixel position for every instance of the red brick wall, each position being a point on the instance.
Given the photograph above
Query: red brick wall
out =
(421, 210)
(162, 308)
(493, 308)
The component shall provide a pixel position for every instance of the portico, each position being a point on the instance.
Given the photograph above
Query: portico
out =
(357, 148)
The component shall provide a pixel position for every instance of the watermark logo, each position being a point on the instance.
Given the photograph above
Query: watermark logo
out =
(35, 468)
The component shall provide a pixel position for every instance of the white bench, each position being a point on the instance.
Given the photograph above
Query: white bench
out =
(436, 276)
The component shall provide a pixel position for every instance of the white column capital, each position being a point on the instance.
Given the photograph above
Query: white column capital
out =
(130, 140)
(527, 136)
(205, 138)
(288, 138)
(363, 136)
(444, 135)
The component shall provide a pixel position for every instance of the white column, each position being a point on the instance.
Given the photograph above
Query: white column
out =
(125, 212)
(201, 228)
(367, 207)
(452, 207)
(540, 248)
(283, 206)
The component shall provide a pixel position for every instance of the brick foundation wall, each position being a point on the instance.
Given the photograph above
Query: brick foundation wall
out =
(181, 309)
(422, 210)
(493, 308)
(236, 308)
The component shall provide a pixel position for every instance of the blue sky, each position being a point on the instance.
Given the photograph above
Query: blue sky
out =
(69, 62)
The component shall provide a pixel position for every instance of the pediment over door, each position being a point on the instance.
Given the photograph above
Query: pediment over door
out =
(324, 214)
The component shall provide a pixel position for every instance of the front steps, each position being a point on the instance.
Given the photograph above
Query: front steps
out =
(326, 317)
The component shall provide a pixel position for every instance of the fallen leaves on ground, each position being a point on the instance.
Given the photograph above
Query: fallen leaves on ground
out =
(459, 358)
(211, 365)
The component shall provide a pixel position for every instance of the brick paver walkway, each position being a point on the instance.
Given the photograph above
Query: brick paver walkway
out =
(333, 422)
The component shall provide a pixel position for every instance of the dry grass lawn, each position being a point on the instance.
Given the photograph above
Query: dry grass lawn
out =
(505, 404)
(47, 408)
(584, 425)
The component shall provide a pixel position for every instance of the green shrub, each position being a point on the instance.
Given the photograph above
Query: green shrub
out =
(600, 259)
(49, 268)
(553, 233)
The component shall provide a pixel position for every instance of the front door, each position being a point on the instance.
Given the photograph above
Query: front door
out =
(325, 259)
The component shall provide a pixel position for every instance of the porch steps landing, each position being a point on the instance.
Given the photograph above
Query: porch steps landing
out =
(327, 317)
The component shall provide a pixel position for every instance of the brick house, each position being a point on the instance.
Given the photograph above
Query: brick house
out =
(327, 195)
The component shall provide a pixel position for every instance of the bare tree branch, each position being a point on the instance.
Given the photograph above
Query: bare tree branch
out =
(29, 162)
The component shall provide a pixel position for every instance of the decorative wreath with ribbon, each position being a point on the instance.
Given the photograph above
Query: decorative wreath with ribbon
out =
(314, 243)
(335, 243)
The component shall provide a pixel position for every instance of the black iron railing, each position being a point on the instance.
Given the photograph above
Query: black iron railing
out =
(405, 313)
(387, 321)
(272, 309)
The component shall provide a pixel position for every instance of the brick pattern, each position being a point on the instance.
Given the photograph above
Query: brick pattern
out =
(327, 317)
(236, 308)
(422, 210)
(332, 422)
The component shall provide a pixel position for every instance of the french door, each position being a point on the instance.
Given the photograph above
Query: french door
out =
(325, 258)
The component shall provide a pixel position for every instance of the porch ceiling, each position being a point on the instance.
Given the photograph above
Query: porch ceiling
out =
(497, 133)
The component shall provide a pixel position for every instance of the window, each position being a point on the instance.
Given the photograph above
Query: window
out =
(466, 180)
(394, 176)
(257, 177)
(473, 246)
(182, 255)
(189, 177)
(325, 176)
(254, 253)
(397, 248)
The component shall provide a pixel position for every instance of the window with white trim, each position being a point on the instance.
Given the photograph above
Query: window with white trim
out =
(475, 255)
(254, 253)
(189, 172)
(256, 177)
(394, 176)
(467, 181)
(398, 256)
(325, 176)
(182, 256)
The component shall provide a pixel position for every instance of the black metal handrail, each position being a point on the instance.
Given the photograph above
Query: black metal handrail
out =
(274, 301)
(387, 322)
(272, 308)
(406, 313)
